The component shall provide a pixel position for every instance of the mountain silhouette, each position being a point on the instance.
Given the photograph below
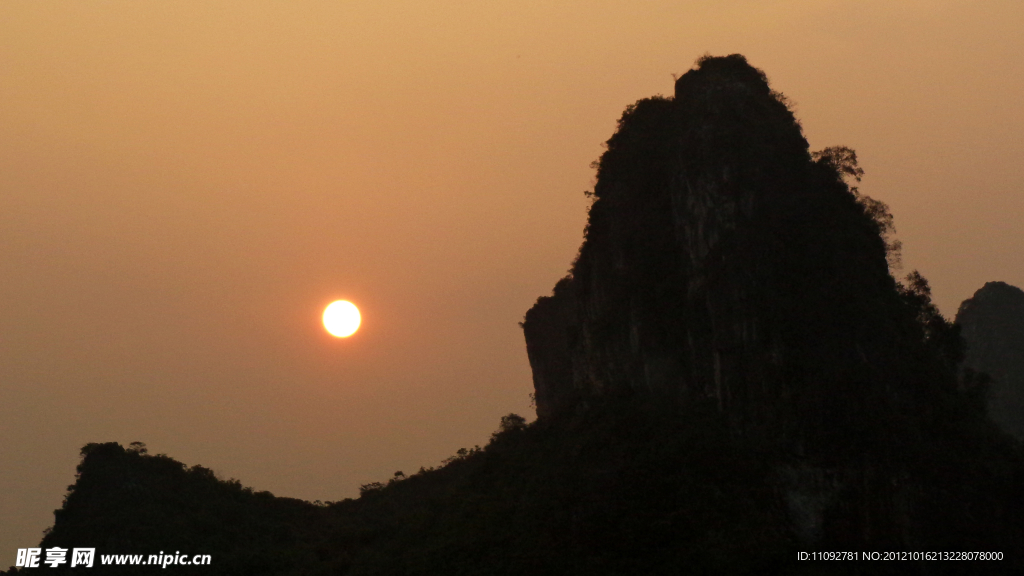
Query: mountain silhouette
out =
(729, 375)
(992, 322)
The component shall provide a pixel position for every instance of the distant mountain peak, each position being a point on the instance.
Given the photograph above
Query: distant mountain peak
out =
(992, 324)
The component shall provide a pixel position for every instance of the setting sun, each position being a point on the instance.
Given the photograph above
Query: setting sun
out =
(341, 318)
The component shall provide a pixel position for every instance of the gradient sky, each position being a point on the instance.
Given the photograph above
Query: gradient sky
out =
(185, 185)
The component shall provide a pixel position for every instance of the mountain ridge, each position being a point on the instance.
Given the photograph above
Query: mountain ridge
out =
(729, 375)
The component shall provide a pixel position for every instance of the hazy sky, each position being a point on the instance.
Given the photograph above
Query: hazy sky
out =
(185, 185)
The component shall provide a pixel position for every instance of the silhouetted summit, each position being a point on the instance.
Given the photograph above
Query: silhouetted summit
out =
(993, 327)
(726, 267)
(724, 261)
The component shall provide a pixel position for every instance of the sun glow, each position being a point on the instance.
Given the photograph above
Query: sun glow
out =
(341, 318)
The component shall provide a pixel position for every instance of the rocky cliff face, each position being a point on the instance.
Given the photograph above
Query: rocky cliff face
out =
(721, 261)
(992, 322)
(727, 269)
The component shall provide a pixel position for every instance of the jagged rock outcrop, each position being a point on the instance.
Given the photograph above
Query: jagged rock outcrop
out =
(722, 261)
(725, 267)
(992, 324)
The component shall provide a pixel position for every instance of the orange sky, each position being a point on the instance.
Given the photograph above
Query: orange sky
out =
(185, 185)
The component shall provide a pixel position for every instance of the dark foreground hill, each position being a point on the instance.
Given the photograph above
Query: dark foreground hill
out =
(728, 376)
(629, 490)
(615, 493)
